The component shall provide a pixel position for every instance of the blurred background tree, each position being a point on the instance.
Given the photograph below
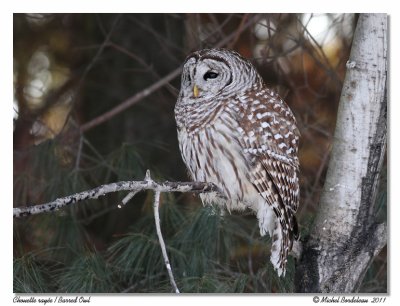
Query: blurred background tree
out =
(71, 69)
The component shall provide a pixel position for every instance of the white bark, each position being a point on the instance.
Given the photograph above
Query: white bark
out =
(156, 206)
(345, 237)
(133, 186)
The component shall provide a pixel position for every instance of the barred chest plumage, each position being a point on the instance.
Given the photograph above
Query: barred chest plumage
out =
(212, 151)
(236, 133)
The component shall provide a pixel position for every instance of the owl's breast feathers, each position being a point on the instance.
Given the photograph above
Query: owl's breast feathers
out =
(258, 124)
(247, 145)
(195, 116)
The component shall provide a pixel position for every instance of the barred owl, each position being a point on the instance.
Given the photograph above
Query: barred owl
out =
(235, 132)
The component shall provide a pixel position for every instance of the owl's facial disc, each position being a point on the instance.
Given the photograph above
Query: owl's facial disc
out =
(205, 77)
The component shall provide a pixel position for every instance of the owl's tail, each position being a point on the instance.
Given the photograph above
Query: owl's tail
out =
(280, 248)
(282, 234)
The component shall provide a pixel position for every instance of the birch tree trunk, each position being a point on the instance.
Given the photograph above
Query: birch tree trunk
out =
(345, 237)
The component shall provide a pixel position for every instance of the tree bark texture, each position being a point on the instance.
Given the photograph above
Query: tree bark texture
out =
(345, 238)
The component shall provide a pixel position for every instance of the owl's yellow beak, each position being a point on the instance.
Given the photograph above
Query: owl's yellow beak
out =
(195, 91)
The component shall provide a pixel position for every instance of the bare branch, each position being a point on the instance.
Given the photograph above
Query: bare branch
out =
(174, 91)
(133, 186)
(127, 198)
(161, 240)
(101, 48)
(131, 101)
(157, 85)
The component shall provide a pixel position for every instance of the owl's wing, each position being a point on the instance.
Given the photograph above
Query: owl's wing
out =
(270, 141)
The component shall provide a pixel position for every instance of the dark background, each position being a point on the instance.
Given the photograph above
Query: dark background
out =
(70, 69)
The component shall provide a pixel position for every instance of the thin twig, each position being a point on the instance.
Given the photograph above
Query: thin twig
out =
(131, 101)
(79, 152)
(161, 240)
(127, 198)
(155, 86)
(101, 48)
(174, 91)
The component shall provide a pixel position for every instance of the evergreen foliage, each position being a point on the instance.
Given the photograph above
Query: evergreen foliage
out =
(93, 246)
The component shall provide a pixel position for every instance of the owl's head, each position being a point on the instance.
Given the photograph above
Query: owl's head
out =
(211, 73)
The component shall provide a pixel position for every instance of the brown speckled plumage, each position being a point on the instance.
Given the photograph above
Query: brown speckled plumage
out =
(238, 134)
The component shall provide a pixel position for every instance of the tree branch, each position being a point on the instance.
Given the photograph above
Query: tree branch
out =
(131, 101)
(345, 237)
(161, 240)
(133, 186)
(157, 85)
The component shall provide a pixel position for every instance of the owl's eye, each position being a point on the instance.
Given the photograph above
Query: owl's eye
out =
(210, 75)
